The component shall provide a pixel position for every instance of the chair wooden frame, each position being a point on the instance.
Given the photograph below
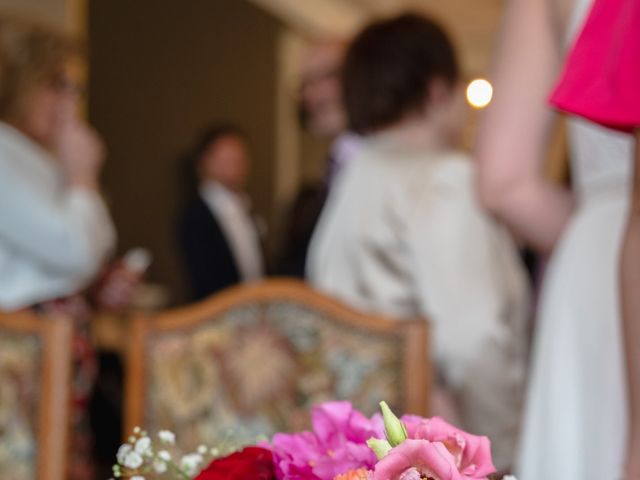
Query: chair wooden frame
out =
(416, 366)
(56, 334)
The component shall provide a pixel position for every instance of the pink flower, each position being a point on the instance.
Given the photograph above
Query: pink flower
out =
(438, 450)
(414, 459)
(472, 453)
(336, 445)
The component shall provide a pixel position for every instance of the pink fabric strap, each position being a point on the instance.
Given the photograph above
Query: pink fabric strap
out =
(601, 78)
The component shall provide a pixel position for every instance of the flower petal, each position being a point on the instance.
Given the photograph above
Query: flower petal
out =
(430, 459)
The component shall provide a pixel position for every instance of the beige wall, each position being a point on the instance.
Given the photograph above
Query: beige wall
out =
(161, 70)
(53, 11)
(67, 14)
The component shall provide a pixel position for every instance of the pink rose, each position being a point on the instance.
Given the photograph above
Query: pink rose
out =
(436, 449)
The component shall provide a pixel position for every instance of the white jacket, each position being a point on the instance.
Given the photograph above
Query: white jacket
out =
(53, 238)
(403, 234)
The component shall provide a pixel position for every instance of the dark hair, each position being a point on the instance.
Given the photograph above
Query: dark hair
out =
(212, 135)
(389, 67)
(191, 161)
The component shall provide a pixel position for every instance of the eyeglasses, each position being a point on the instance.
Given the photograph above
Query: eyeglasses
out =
(64, 85)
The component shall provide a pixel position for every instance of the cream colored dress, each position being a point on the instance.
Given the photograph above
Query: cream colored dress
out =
(576, 420)
(402, 234)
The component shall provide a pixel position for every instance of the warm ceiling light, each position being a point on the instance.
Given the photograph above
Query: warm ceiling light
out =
(479, 93)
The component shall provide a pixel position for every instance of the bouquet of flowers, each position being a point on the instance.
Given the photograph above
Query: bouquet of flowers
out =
(343, 445)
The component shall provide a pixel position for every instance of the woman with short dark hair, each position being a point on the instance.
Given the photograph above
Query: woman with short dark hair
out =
(55, 230)
(404, 235)
(388, 70)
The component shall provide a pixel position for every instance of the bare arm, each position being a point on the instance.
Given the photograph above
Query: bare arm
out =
(515, 129)
(630, 286)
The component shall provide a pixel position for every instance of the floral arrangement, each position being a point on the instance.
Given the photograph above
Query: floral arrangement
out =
(342, 445)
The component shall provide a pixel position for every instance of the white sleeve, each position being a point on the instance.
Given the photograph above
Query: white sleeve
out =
(450, 239)
(71, 234)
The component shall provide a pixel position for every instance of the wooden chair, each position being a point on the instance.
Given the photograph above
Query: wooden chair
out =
(35, 380)
(254, 359)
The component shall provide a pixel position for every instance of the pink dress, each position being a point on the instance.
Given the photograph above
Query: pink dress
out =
(601, 80)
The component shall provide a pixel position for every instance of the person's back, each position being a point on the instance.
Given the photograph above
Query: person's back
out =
(403, 234)
(388, 192)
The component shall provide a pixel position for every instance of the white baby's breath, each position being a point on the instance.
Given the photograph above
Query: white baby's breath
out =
(140, 457)
(509, 477)
(167, 437)
(159, 466)
(143, 446)
(133, 460)
(123, 451)
(164, 455)
(190, 463)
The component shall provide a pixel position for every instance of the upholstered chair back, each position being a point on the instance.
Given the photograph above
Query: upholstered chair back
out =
(35, 384)
(253, 360)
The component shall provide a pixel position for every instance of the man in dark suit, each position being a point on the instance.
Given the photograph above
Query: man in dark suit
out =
(218, 237)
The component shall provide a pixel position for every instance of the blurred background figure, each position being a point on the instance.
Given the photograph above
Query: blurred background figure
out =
(218, 236)
(322, 109)
(322, 114)
(55, 230)
(56, 242)
(402, 233)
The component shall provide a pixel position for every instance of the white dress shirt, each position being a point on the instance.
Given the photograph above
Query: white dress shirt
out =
(53, 238)
(232, 212)
(403, 234)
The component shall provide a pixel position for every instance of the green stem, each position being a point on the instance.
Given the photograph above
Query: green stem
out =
(178, 470)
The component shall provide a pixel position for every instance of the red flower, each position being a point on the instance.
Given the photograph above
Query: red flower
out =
(252, 463)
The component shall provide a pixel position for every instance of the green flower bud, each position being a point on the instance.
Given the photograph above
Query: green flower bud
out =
(380, 447)
(394, 428)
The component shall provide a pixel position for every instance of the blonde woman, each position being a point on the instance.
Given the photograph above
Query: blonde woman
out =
(55, 231)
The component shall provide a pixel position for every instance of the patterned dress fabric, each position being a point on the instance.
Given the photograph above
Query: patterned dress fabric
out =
(85, 369)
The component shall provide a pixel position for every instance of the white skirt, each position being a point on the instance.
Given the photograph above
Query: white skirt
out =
(575, 419)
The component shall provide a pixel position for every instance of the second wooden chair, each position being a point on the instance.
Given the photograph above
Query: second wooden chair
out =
(253, 360)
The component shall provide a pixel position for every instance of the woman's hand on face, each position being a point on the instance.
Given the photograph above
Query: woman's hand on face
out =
(81, 153)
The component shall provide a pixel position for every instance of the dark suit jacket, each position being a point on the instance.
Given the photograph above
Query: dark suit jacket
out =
(206, 253)
(303, 217)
